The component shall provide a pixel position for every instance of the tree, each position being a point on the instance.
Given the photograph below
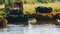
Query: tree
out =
(1, 2)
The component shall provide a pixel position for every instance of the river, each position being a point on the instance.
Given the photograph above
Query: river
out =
(31, 29)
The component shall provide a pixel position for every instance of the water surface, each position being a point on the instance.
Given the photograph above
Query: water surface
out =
(31, 29)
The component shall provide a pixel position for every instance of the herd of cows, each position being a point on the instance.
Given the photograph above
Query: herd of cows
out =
(42, 13)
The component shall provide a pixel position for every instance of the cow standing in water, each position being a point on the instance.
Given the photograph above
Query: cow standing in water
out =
(14, 12)
(46, 14)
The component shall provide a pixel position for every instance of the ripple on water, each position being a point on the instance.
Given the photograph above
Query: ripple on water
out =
(31, 29)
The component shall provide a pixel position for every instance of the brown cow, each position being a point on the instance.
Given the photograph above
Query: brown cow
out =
(3, 22)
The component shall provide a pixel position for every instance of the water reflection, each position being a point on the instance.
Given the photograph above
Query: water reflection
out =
(31, 29)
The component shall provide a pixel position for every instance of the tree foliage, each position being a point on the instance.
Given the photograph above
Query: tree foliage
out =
(2, 1)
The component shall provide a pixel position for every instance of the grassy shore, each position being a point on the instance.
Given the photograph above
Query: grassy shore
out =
(30, 8)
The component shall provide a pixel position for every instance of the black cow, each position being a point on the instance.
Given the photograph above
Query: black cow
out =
(42, 9)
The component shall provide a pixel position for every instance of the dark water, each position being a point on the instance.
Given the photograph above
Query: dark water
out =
(31, 29)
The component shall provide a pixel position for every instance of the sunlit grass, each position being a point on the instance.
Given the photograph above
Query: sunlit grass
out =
(30, 8)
